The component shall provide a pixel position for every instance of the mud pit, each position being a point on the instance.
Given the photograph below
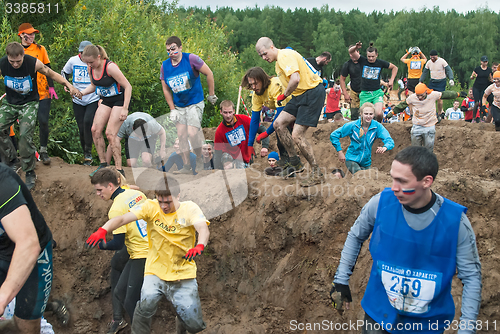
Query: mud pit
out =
(271, 259)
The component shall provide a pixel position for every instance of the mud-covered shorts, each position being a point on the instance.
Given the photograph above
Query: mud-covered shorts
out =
(190, 115)
(307, 107)
(31, 300)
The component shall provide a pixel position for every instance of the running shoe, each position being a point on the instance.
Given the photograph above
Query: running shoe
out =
(316, 177)
(30, 179)
(87, 161)
(102, 165)
(44, 156)
(184, 170)
(116, 326)
(290, 170)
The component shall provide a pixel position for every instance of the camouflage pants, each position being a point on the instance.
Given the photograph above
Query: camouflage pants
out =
(27, 114)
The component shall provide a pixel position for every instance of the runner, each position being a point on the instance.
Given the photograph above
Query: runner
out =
(266, 92)
(352, 69)
(308, 97)
(423, 105)
(136, 129)
(415, 65)
(45, 85)
(115, 91)
(454, 113)
(483, 76)
(231, 138)
(25, 253)
(419, 241)
(170, 269)
(333, 102)
(469, 108)
(494, 89)
(84, 109)
(19, 71)
(439, 70)
(371, 70)
(363, 133)
(127, 273)
(180, 79)
(494, 67)
(318, 62)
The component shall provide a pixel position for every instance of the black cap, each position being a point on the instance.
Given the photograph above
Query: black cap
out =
(433, 52)
(484, 58)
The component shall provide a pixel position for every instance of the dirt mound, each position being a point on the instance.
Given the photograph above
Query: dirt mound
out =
(272, 256)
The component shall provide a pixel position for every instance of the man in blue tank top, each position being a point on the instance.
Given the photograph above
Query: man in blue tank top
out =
(419, 240)
(180, 79)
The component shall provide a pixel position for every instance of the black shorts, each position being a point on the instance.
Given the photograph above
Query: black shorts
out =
(331, 115)
(411, 83)
(114, 101)
(31, 300)
(306, 108)
(133, 148)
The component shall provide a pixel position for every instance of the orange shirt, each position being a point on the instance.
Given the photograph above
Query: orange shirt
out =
(39, 52)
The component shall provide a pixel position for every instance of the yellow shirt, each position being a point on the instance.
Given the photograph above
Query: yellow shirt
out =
(289, 62)
(170, 237)
(39, 52)
(136, 238)
(268, 98)
(415, 67)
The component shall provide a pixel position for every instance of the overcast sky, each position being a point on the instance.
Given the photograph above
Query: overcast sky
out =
(366, 6)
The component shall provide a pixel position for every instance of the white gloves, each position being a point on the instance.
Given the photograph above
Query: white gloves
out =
(212, 99)
(452, 83)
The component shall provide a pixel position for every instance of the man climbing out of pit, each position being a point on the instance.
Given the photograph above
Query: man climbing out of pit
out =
(127, 264)
(419, 241)
(170, 269)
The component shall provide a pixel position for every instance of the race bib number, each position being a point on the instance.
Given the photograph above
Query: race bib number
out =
(81, 74)
(142, 227)
(371, 73)
(409, 290)
(455, 116)
(415, 65)
(179, 83)
(236, 136)
(107, 91)
(21, 86)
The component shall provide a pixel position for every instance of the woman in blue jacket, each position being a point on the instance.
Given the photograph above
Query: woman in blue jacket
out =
(363, 133)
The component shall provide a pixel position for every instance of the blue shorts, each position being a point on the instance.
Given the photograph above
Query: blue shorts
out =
(31, 300)
(438, 86)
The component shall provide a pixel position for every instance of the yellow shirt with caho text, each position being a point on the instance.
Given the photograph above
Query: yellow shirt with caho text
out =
(270, 96)
(289, 62)
(170, 237)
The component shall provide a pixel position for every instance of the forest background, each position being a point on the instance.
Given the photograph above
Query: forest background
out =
(134, 33)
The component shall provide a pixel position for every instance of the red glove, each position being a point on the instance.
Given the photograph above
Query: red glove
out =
(251, 151)
(52, 93)
(280, 99)
(263, 135)
(95, 237)
(193, 252)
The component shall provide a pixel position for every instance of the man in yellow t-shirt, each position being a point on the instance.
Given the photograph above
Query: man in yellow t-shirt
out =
(308, 97)
(266, 91)
(169, 271)
(127, 265)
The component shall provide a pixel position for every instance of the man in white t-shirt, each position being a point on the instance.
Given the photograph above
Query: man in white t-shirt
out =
(454, 113)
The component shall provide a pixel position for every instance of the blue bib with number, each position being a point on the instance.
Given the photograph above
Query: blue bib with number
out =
(107, 91)
(80, 75)
(236, 136)
(412, 271)
(21, 86)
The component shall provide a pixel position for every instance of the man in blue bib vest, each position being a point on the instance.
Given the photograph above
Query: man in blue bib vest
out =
(180, 79)
(419, 240)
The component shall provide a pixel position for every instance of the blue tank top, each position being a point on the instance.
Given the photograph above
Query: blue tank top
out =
(185, 86)
(412, 271)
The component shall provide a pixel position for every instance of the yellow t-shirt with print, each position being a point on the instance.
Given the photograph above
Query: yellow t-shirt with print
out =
(268, 98)
(136, 238)
(415, 67)
(170, 237)
(289, 62)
